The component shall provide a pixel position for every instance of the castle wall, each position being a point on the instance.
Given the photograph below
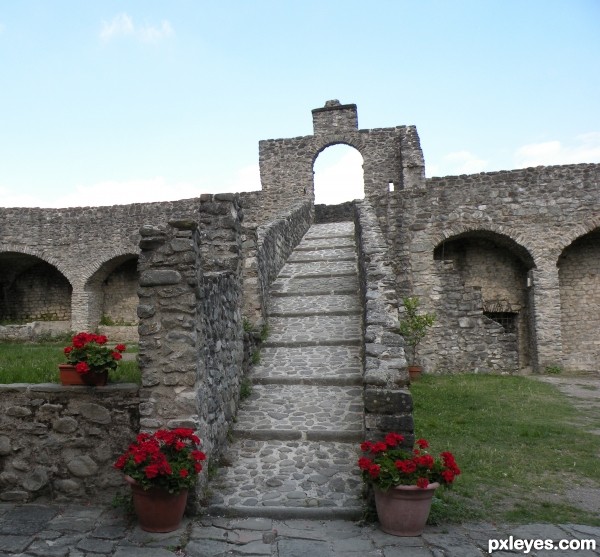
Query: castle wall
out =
(390, 156)
(532, 214)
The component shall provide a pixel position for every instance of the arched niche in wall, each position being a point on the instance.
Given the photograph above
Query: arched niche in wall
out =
(579, 280)
(32, 289)
(497, 267)
(338, 175)
(113, 287)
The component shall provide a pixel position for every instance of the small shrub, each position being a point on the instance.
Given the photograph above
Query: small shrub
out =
(245, 388)
(554, 369)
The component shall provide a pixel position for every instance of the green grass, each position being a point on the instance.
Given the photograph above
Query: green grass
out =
(38, 363)
(520, 444)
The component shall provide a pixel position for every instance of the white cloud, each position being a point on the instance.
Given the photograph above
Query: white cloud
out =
(9, 198)
(112, 192)
(246, 178)
(585, 148)
(122, 25)
(453, 164)
(338, 175)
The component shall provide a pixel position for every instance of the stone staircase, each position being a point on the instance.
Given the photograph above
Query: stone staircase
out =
(296, 437)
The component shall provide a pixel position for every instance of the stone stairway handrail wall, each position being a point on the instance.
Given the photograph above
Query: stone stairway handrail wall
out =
(388, 401)
(266, 249)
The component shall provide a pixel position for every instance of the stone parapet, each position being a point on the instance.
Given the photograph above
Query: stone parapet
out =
(388, 401)
(266, 249)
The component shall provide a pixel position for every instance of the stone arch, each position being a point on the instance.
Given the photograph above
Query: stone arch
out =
(316, 191)
(579, 285)
(111, 291)
(529, 255)
(43, 255)
(32, 289)
(496, 269)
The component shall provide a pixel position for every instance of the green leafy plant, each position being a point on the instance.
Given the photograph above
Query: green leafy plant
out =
(89, 353)
(245, 388)
(554, 369)
(169, 459)
(264, 333)
(387, 464)
(413, 327)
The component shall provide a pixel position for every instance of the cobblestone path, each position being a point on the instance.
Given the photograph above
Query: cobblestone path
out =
(296, 437)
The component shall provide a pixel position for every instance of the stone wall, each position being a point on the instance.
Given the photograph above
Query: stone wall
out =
(388, 401)
(390, 156)
(334, 213)
(120, 298)
(60, 442)
(83, 244)
(266, 248)
(533, 214)
(31, 289)
(191, 332)
(579, 274)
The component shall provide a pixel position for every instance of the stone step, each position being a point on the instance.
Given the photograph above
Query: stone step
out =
(308, 244)
(289, 479)
(290, 306)
(315, 286)
(326, 365)
(329, 254)
(318, 269)
(301, 412)
(330, 230)
(317, 329)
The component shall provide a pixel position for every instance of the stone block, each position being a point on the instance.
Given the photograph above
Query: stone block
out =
(159, 277)
(387, 401)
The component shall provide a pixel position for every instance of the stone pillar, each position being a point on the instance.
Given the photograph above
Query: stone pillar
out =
(85, 308)
(170, 340)
(546, 324)
(387, 398)
(334, 117)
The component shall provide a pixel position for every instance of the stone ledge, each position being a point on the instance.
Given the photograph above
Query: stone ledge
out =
(111, 388)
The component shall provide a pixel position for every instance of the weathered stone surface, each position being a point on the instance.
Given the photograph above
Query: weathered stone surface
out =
(82, 466)
(95, 413)
(5, 448)
(160, 277)
(65, 425)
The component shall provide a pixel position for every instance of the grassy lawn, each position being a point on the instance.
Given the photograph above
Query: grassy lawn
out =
(520, 443)
(38, 363)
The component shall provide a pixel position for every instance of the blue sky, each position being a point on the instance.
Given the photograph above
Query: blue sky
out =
(112, 102)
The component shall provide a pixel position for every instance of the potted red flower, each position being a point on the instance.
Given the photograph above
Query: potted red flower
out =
(404, 481)
(160, 468)
(89, 360)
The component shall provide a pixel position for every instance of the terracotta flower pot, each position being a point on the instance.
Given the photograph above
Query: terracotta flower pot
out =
(403, 510)
(157, 509)
(414, 372)
(69, 376)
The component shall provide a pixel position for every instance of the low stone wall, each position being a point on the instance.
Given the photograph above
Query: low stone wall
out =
(60, 442)
(334, 213)
(34, 331)
(266, 249)
(388, 401)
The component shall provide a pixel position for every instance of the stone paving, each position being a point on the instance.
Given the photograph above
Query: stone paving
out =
(39, 530)
(321, 365)
(305, 305)
(301, 408)
(296, 437)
